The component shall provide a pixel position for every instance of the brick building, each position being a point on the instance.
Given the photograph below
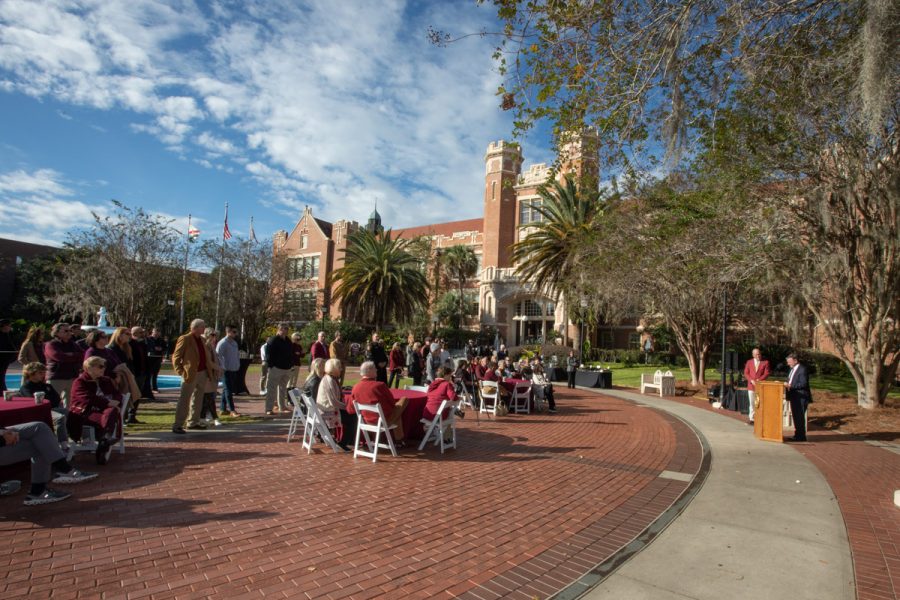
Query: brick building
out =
(312, 251)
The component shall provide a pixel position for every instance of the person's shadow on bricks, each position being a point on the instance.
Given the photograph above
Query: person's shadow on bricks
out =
(129, 513)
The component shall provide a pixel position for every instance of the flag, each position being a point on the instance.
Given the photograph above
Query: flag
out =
(226, 233)
(252, 235)
(193, 233)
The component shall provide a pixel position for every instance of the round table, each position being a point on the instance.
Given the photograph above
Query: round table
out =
(413, 412)
(24, 410)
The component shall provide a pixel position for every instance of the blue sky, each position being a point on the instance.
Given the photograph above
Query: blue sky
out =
(181, 106)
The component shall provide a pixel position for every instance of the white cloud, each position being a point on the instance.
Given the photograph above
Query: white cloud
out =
(333, 104)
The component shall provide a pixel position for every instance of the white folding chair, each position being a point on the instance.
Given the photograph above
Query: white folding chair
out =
(490, 397)
(296, 398)
(123, 410)
(519, 404)
(416, 388)
(313, 424)
(365, 429)
(436, 428)
(466, 399)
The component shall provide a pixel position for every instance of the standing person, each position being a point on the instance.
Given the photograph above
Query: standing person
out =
(319, 349)
(414, 363)
(32, 349)
(755, 370)
(296, 358)
(375, 352)
(140, 363)
(193, 361)
(208, 411)
(280, 358)
(502, 353)
(339, 350)
(64, 360)
(263, 368)
(571, 368)
(8, 350)
(433, 362)
(120, 345)
(79, 336)
(229, 356)
(799, 395)
(395, 365)
(156, 351)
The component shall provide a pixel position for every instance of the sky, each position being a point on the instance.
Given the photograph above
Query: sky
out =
(181, 106)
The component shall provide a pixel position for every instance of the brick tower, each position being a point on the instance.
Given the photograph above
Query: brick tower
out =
(503, 163)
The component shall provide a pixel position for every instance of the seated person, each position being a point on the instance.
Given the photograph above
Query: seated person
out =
(316, 373)
(481, 368)
(36, 442)
(330, 401)
(35, 375)
(464, 377)
(503, 371)
(542, 387)
(371, 391)
(95, 402)
(440, 389)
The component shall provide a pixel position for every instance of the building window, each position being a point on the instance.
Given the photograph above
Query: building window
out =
(471, 302)
(634, 340)
(493, 190)
(300, 305)
(606, 339)
(305, 267)
(528, 213)
(304, 242)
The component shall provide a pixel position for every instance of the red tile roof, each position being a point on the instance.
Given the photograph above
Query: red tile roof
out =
(446, 229)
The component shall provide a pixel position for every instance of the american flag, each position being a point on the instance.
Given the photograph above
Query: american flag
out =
(226, 233)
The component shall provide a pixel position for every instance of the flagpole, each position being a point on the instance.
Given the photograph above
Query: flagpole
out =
(187, 247)
(251, 237)
(221, 267)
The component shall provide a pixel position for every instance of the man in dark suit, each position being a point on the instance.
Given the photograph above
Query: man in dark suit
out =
(799, 395)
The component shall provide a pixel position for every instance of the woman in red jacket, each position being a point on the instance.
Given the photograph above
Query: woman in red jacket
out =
(95, 401)
(395, 365)
(442, 388)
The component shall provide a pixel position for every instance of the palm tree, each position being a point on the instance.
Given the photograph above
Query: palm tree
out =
(549, 256)
(461, 263)
(380, 281)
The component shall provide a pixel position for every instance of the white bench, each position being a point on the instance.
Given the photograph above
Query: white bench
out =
(663, 383)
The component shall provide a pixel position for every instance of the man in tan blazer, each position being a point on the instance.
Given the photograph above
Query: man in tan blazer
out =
(193, 361)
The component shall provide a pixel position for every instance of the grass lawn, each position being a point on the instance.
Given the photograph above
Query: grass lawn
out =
(160, 416)
(631, 377)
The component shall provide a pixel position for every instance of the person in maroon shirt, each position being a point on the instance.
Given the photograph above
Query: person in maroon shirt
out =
(95, 401)
(371, 391)
(64, 359)
(481, 368)
(395, 365)
(319, 348)
(442, 388)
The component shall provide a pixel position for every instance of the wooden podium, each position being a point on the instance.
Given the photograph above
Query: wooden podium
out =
(767, 422)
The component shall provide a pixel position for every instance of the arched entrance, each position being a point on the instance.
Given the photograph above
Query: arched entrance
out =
(533, 320)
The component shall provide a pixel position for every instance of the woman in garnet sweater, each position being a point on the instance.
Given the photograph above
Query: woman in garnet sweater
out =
(440, 389)
(95, 401)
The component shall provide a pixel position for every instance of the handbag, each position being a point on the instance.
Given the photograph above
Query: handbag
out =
(501, 409)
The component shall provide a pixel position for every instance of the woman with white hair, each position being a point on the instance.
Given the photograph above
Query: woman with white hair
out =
(330, 401)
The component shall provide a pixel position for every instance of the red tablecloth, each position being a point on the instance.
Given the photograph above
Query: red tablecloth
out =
(24, 410)
(415, 408)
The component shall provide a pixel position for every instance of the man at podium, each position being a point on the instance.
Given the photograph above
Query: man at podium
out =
(799, 395)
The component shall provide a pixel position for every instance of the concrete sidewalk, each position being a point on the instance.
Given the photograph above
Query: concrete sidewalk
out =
(765, 524)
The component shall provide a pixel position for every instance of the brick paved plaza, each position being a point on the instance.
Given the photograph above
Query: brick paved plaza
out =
(524, 507)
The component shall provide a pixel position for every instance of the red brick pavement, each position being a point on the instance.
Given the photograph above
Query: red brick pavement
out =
(524, 507)
(863, 478)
